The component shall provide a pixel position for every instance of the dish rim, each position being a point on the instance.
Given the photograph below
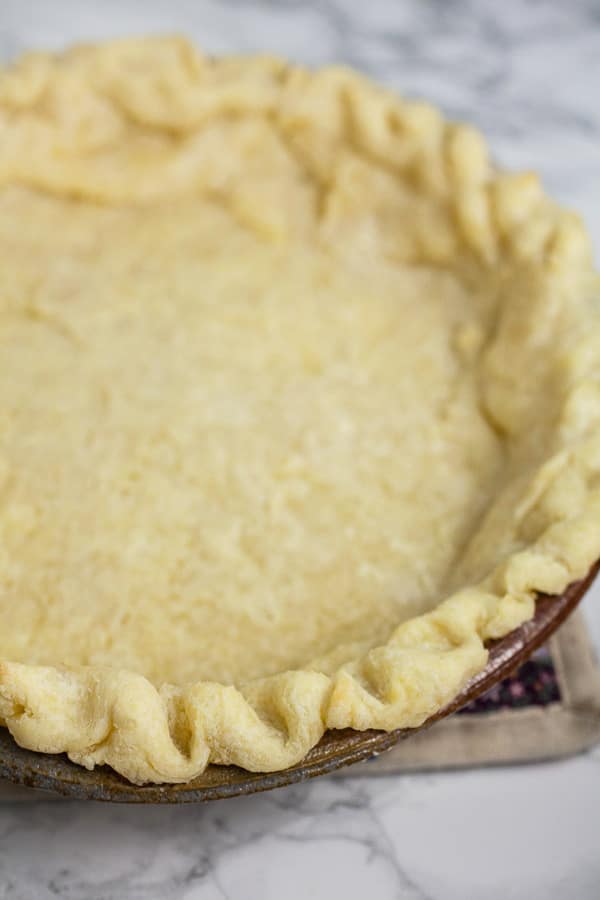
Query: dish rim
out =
(337, 749)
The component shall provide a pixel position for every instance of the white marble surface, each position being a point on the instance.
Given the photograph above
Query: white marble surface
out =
(529, 75)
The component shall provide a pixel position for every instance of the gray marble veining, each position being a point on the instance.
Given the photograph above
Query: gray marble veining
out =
(413, 837)
(528, 73)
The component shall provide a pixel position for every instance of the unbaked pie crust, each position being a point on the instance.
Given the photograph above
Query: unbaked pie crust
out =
(299, 406)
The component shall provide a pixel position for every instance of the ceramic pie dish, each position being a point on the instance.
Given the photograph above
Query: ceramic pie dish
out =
(299, 408)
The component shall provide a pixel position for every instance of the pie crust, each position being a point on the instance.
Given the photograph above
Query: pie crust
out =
(299, 407)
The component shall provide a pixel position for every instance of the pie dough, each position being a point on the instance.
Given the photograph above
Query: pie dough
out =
(299, 406)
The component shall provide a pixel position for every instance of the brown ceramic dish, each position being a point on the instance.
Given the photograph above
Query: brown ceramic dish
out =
(335, 750)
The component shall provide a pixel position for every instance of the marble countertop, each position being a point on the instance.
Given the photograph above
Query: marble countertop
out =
(528, 74)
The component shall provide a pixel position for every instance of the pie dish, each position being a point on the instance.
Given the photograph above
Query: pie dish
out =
(299, 407)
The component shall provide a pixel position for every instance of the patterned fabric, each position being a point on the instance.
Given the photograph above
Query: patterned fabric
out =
(534, 684)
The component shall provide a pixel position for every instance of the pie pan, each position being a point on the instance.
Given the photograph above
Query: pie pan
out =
(299, 414)
(337, 749)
